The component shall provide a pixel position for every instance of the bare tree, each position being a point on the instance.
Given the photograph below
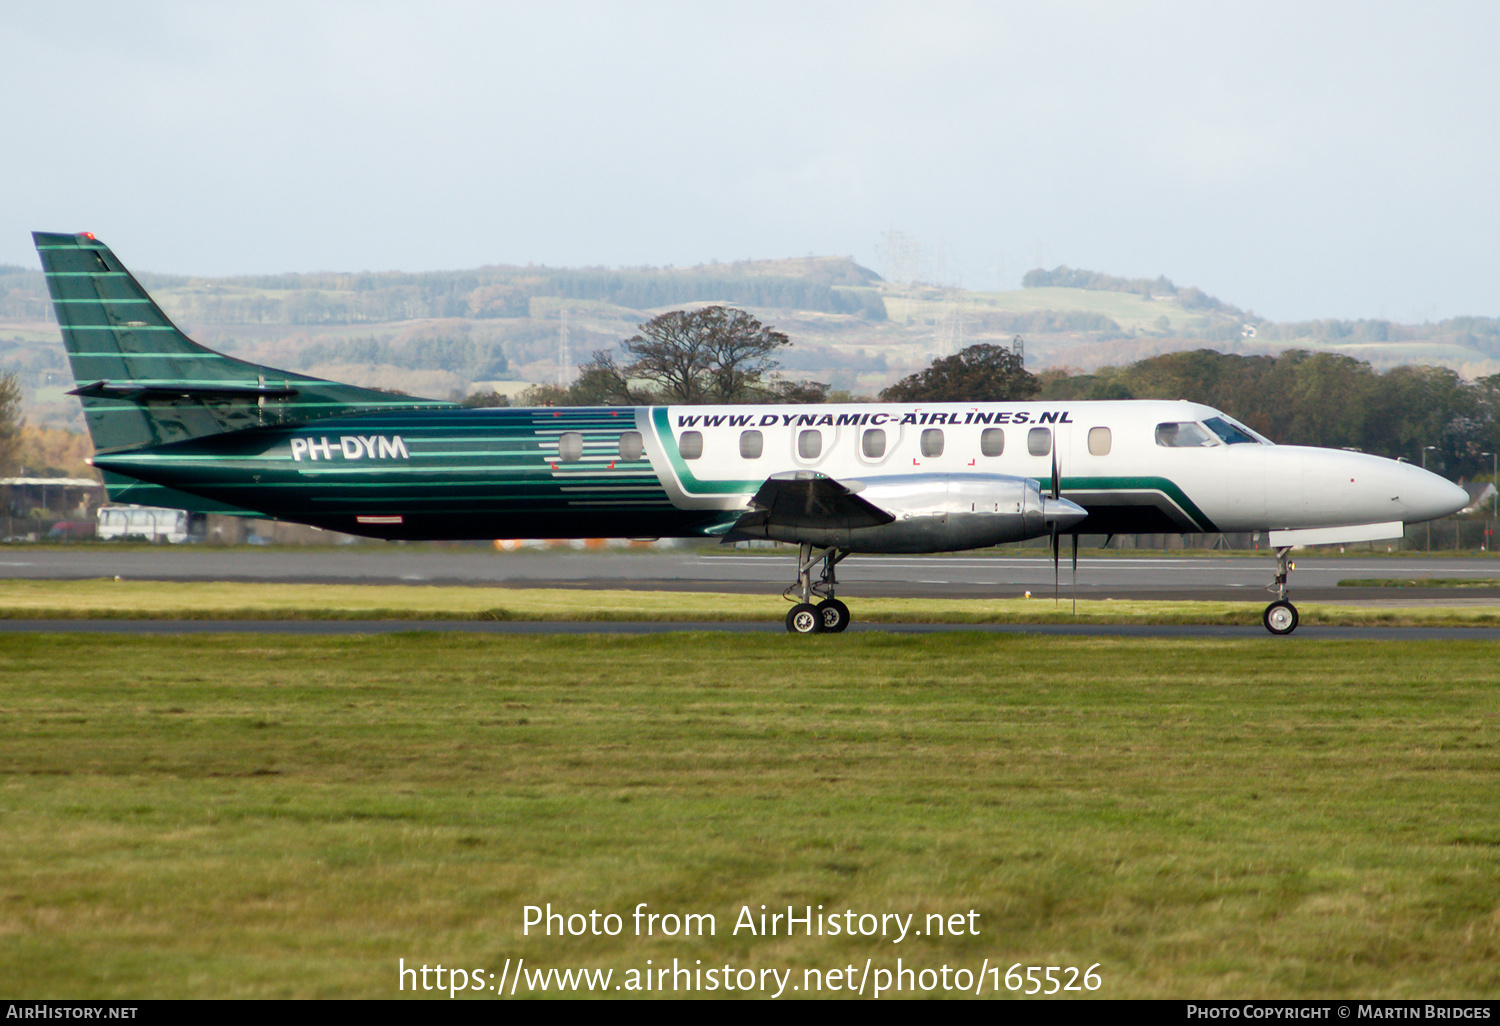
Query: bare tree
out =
(714, 355)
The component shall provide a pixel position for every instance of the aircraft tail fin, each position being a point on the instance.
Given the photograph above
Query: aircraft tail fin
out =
(143, 382)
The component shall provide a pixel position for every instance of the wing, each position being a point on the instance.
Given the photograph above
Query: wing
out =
(805, 499)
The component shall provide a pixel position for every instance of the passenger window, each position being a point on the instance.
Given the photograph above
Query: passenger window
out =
(932, 442)
(631, 446)
(992, 441)
(752, 444)
(1099, 441)
(810, 444)
(1183, 435)
(691, 445)
(569, 447)
(1039, 441)
(874, 443)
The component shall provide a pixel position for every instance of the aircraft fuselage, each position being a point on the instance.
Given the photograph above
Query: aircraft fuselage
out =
(690, 471)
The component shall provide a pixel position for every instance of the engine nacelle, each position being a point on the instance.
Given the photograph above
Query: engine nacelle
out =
(945, 513)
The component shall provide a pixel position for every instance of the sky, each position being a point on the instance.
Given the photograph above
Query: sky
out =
(1301, 160)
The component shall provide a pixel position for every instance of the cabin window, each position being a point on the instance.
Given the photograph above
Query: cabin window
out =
(691, 445)
(1184, 435)
(810, 444)
(874, 443)
(1039, 441)
(1232, 434)
(932, 442)
(631, 446)
(569, 447)
(1099, 441)
(752, 444)
(992, 441)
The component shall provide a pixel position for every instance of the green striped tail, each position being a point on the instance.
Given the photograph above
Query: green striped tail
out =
(143, 382)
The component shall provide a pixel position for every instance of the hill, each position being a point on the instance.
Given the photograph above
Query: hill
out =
(445, 332)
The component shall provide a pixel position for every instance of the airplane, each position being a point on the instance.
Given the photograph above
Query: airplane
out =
(178, 425)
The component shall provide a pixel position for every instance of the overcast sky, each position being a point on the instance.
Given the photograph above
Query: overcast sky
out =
(1300, 159)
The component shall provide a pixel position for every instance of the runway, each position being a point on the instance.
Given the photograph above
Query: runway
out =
(1189, 576)
(768, 626)
(1198, 577)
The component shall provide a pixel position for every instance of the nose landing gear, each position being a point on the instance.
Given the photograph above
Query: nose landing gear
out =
(830, 616)
(1280, 616)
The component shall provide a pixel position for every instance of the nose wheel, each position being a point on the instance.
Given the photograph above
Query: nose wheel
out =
(1280, 616)
(829, 616)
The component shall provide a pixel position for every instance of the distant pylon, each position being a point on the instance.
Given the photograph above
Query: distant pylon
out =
(949, 336)
(564, 353)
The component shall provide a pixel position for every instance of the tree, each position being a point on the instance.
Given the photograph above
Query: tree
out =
(801, 392)
(602, 382)
(714, 355)
(980, 373)
(482, 400)
(10, 422)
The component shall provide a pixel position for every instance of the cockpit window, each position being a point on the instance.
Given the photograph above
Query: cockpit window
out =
(1230, 433)
(1184, 435)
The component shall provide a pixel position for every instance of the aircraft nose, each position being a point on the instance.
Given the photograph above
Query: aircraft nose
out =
(1062, 512)
(1426, 496)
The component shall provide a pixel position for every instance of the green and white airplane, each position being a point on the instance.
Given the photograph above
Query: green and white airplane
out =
(178, 425)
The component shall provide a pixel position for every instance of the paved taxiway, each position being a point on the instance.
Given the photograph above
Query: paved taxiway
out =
(1167, 576)
(1179, 576)
(354, 627)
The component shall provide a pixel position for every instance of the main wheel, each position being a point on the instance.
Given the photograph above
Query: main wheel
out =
(1280, 617)
(835, 615)
(804, 619)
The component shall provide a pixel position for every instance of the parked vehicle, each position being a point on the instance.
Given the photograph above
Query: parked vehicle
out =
(149, 523)
(70, 530)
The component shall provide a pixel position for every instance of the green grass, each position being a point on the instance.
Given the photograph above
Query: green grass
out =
(284, 816)
(1422, 582)
(108, 599)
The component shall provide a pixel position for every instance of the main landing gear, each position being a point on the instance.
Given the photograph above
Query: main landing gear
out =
(1281, 616)
(828, 616)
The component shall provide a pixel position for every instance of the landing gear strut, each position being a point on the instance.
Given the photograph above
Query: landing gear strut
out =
(828, 616)
(1281, 616)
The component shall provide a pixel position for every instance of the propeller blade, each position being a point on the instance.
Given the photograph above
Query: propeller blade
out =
(1075, 573)
(1055, 543)
(1056, 475)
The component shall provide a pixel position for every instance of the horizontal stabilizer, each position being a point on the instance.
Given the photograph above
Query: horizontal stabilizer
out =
(167, 393)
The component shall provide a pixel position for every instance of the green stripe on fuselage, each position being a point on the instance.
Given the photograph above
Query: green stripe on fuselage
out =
(689, 482)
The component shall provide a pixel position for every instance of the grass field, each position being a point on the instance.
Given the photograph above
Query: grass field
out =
(286, 816)
(1422, 582)
(105, 599)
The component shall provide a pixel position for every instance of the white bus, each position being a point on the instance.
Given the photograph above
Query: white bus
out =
(149, 523)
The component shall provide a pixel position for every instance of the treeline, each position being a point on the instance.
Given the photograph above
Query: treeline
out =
(1479, 333)
(327, 298)
(646, 290)
(23, 293)
(474, 359)
(1322, 399)
(1077, 278)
